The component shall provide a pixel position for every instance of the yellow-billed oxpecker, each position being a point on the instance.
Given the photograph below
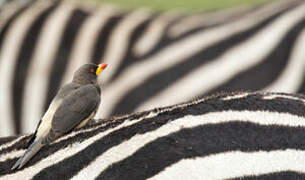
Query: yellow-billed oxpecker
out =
(73, 106)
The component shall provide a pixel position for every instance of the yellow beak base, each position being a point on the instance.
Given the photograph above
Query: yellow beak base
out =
(100, 68)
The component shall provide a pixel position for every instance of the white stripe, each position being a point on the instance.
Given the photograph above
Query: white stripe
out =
(8, 155)
(292, 77)
(236, 96)
(8, 10)
(40, 67)
(176, 53)
(274, 96)
(119, 39)
(8, 57)
(11, 143)
(153, 33)
(76, 132)
(130, 146)
(85, 41)
(62, 154)
(237, 60)
(235, 164)
(194, 21)
(190, 22)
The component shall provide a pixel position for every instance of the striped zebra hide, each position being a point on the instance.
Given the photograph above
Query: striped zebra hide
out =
(243, 135)
(155, 58)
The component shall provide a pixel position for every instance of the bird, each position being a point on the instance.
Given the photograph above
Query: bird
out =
(73, 106)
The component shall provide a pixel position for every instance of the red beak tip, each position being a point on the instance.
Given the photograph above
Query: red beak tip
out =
(104, 65)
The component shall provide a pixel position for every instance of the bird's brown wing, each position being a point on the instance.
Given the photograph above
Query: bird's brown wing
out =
(75, 107)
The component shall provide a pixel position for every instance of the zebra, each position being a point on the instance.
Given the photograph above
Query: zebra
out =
(238, 135)
(156, 58)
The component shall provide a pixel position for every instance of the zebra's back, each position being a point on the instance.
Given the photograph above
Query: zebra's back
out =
(249, 135)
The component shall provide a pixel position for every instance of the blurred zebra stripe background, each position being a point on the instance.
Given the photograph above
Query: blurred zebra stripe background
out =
(155, 58)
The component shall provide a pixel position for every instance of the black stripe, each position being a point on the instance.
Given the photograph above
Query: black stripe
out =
(147, 125)
(103, 38)
(9, 23)
(278, 176)
(163, 79)
(302, 87)
(23, 61)
(64, 52)
(254, 103)
(202, 141)
(266, 72)
(5, 140)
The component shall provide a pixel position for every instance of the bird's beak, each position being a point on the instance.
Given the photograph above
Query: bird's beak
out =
(100, 68)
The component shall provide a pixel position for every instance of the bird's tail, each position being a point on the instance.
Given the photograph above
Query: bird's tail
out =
(30, 152)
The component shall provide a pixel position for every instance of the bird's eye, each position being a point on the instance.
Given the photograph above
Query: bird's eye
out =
(92, 70)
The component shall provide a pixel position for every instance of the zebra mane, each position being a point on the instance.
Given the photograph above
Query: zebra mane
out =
(227, 135)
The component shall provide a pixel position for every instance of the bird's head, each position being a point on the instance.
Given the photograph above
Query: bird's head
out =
(88, 73)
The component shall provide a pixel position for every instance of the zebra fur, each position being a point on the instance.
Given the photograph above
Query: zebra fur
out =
(153, 56)
(239, 135)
